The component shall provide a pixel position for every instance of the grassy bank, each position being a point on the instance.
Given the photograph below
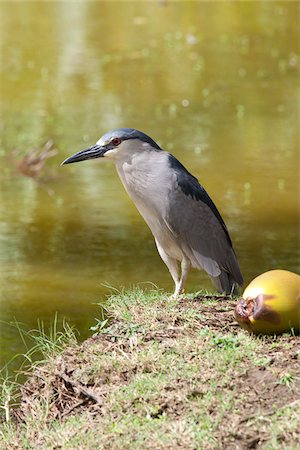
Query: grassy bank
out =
(163, 374)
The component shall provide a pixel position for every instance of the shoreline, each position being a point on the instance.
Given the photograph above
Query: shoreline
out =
(162, 373)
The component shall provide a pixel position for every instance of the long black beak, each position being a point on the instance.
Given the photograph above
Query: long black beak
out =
(96, 151)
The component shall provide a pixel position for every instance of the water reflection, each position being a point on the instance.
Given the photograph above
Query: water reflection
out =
(214, 83)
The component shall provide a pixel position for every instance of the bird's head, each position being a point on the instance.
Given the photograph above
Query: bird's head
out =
(116, 144)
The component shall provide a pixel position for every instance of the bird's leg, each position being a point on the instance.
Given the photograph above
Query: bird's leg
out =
(172, 265)
(185, 267)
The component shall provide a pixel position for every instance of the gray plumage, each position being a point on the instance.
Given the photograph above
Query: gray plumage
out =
(185, 223)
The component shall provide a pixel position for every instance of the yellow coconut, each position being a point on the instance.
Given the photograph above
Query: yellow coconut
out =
(271, 303)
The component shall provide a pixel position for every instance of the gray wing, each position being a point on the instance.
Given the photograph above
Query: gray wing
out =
(198, 226)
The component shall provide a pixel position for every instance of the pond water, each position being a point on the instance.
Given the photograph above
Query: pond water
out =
(214, 83)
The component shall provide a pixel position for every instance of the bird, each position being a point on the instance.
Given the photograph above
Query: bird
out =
(186, 225)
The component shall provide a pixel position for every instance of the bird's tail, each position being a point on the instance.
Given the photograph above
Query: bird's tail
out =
(225, 282)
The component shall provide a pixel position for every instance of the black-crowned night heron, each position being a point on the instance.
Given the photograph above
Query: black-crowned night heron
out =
(185, 223)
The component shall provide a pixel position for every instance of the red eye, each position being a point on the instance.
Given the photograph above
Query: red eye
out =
(116, 141)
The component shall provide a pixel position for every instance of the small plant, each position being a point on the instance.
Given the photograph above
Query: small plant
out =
(224, 342)
(44, 345)
(262, 361)
(9, 396)
(287, 379)
(100, 326)
(47, 343)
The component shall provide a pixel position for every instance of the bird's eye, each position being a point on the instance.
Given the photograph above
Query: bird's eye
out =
(116, 141)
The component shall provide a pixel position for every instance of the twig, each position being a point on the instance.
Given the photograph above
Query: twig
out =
(270, 413)
(214, 297)
(122, 352)
(65, 413)
(84, 391)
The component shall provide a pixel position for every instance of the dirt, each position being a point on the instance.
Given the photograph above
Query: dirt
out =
(257, 387)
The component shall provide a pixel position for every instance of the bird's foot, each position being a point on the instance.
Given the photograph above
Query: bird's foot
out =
(177, 295)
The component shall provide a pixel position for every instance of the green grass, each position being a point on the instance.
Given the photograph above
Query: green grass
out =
(169, 374)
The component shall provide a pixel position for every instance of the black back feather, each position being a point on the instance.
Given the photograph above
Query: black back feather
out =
(190, 186)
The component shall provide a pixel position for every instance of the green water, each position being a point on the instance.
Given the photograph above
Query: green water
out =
(215, 83)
